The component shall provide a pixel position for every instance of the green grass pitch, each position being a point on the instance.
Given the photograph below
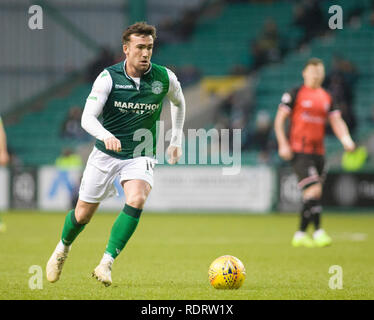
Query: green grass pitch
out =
(169, 255)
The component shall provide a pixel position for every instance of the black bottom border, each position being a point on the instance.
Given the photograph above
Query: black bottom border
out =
(190, 309)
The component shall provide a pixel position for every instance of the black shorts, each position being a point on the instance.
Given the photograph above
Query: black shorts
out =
(309, 168)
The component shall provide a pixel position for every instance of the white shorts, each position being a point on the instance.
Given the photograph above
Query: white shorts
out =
(101, 170)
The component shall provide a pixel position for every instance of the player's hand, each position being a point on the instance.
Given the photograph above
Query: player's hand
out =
(113, 144)
(174, 154)
(4, 158)
(350, 147)
(348, 144)
(285, 152)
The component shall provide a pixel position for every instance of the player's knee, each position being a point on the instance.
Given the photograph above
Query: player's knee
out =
(82, 216)
(82, 219)
(137, 200)
(313, 192)
(84, 212)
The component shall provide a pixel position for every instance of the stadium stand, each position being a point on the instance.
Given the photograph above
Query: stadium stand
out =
(216, 48)
(354, 44)
(36, 137)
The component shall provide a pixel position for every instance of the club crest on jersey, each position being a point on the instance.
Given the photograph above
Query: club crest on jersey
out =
(157, 87)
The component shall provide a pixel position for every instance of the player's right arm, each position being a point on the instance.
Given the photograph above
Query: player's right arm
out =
(284, 110)
(4, 156)
(93, 108)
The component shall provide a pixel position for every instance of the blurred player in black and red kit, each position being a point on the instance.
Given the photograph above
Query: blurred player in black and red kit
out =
(309, 107)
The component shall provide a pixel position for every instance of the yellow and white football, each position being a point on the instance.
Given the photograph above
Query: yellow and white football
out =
(227, 272)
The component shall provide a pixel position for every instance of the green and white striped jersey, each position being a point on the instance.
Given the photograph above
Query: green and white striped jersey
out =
(130, 108)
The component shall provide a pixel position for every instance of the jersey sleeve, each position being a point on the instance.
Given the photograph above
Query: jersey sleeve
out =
(101, 88)
(334, 108)
(178, 108)
(94, 106)
(175, 93)
(288, 100)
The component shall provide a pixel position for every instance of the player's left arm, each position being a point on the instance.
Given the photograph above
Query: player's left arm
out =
(178, 111)
(340, 129)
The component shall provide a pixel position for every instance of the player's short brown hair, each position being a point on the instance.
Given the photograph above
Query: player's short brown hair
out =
(139, 28)
(313, 62)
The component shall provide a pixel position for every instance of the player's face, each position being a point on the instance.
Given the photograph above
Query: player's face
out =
(139, 52)
(314, 75)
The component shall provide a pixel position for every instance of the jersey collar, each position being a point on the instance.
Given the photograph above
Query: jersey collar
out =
(145, 73)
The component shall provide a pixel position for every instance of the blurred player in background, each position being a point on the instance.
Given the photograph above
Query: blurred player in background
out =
(309, 107)
(4, 159)
(129, 96)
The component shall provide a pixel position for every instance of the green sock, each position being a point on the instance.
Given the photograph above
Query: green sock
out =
(71, 229)
(122, 230)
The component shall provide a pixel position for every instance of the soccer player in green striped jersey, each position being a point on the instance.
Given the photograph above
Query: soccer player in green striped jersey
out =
(129, 97)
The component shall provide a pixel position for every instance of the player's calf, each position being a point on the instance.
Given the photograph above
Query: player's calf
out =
(121, 232)
(72, 228)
